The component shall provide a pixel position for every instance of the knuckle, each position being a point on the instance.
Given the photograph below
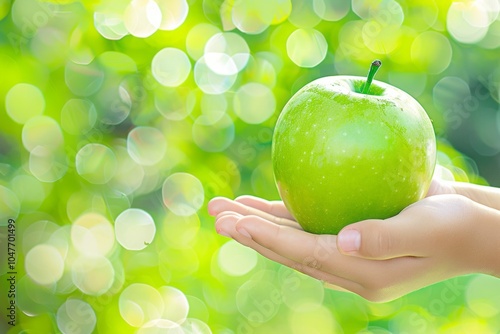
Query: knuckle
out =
(313, 263)
(379, 243)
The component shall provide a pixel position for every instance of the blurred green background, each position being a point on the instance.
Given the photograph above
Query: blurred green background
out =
(119, 120)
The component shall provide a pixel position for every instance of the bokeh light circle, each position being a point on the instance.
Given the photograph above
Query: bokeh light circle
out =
(115, 103)
(44, 264)
(431, 51)
(42, 132)
(110, 25)
(139, 304)
(306, 47)
(171, 67)
(32, 298)
(211, 82)
(78, 116)
(183, 194)
(23, 102)
(362, 8)
(381, 39)
(213, 136)
(93, 275)
(258, 301)
(146, 145)
(83, 79)
(197, 38)
(467, 22)
(49, 46)
(303, 14)
(254, 103)
(38, 232)
(47, 165)
(261, 69)
(235, 259)
(96, 163)
(388, 13)
(60, 239)
(195, 326)
(176, 306)
(134, 229)
(92, 234)
(173, 12)
(129, 174)
(226, 53)
(253, 17)
(448, 91)
(331, 10)
(142, 18)
(76, 316)
(351, 47)
(197, 308)
(161, 326)
(492, 38)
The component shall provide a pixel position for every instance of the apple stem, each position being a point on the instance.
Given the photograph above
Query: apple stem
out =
(371, 73)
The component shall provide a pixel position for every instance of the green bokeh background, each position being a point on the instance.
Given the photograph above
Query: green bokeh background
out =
(92, 126)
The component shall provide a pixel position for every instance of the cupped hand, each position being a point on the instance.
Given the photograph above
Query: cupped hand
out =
(444, 235)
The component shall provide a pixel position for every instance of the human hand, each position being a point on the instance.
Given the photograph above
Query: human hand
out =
(444, 235)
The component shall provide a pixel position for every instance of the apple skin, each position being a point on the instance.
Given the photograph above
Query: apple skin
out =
(340, 156)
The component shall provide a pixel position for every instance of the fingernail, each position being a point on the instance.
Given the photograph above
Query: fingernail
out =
(212, 209)
(225, 223)
(223, 233)
(244, 232)
(349, 240)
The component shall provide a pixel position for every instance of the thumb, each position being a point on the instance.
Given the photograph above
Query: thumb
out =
(381, 239)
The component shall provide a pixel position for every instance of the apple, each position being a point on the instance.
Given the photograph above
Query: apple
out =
(346, 149)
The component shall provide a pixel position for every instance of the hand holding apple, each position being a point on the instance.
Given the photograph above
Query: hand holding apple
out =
(347, 149)
(336, 152)
(450, 233)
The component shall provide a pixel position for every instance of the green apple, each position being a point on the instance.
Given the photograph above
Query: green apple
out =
(346, 149)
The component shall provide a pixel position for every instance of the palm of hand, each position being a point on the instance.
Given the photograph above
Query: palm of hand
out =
(401, 254)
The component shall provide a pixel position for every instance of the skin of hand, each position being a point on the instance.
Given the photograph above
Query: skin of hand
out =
(454, 231)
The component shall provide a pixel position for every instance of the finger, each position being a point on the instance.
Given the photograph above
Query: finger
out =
(216, 206)
(311, 249)
(227, 213)
(423, 229)
(440, 187)
(228, 224)
(321, 259)
(275, 208)
(382, 239)
(221, 204)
